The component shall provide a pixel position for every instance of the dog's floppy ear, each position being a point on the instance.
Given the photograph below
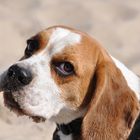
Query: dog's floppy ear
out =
(113, 108)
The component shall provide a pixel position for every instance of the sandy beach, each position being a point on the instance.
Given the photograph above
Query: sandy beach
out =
(116, 24)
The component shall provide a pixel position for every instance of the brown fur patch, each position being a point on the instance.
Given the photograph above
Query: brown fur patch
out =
(75, 87)
(114, 107)
(43, 38)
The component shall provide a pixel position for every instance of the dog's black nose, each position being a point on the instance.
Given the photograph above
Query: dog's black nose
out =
(18, 77)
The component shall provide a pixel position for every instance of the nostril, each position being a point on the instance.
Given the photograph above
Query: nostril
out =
(21, 79)
(24, 77)
(11, 73)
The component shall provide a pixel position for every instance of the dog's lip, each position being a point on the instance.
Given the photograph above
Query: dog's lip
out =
(10, 102)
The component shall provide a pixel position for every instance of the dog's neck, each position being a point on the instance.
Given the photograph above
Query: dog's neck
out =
(68, 131)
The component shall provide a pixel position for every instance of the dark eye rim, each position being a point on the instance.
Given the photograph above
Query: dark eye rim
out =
(56, 66)
(32, 46)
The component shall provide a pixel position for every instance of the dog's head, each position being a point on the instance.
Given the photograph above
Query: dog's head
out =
(52, 78)
(65, 74)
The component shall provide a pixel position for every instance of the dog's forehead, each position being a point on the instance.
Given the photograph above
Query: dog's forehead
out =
(55, 39)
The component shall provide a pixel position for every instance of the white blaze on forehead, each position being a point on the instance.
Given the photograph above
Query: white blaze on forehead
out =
(61, 38)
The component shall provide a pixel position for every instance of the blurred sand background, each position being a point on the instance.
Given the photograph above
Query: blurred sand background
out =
(115, 23)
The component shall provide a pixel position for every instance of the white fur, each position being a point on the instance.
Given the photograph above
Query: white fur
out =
(66, 115)
(64, 137)
(42, 96)
(62, 38)
(132, 80)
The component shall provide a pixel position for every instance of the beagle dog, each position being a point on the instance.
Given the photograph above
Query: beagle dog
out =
(67, 77)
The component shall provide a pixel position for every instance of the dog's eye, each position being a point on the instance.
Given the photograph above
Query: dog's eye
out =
(64, 68)
(32, 46)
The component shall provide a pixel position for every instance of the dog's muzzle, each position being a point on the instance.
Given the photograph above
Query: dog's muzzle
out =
(15, 78)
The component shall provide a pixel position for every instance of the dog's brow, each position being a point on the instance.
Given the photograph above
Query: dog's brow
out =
(39, 39)
(61, 38)
(55, 40)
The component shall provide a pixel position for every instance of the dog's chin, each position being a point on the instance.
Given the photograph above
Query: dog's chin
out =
(15, 107)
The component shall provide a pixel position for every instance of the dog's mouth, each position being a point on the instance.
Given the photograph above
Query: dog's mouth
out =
(14, 106)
